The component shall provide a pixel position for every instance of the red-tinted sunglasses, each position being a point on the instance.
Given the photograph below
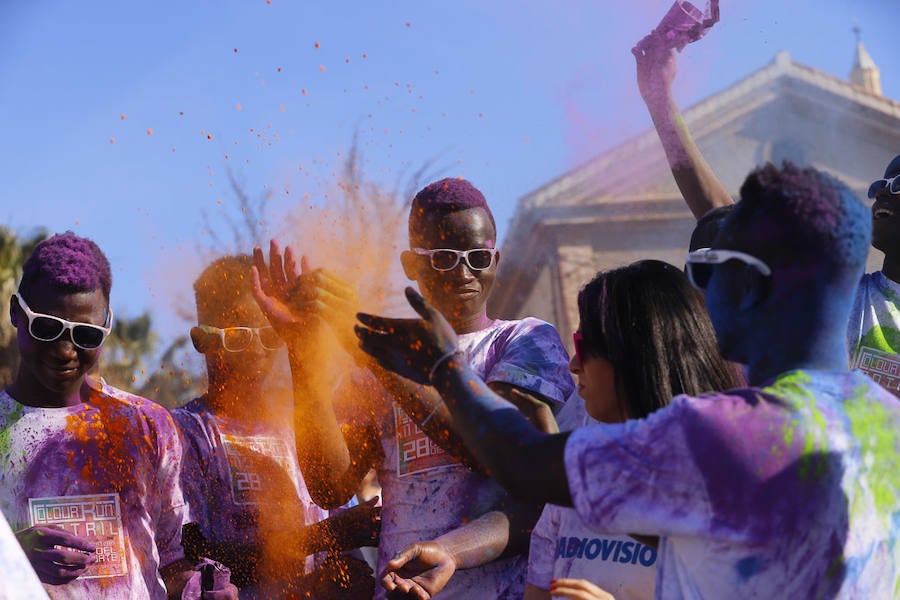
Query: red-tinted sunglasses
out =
(578, 340)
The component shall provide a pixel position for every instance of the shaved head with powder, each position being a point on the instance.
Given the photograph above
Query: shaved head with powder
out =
(441, 198)
(69, 264)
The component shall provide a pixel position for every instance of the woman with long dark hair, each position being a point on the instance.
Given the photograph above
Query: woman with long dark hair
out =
(644, 337)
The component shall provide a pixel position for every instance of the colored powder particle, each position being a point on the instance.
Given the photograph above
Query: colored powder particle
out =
(364, 55)
(181, 113)
(149, 131)
(238, 106)
(408, 24)
(281, 107)
(347, 60)
(279, 69)
(235, 50)
(122, 116)
(209, 136)
(303, 91)
(112, 140)
(321, 68)
(316, 44)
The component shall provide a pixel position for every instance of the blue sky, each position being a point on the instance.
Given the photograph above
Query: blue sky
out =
(118, 116)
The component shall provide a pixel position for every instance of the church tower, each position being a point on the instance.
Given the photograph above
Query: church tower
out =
(864, 73)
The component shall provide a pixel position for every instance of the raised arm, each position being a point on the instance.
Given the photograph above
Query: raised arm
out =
(656, 68)
(526, 461)
(291, 298)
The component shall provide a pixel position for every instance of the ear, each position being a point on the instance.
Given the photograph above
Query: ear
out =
(497, 259)
(755, 289)
(410, 268)
(200, 340)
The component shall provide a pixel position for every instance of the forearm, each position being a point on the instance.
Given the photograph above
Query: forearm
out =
(424, 405)
(322, 451)
(478, 542)
(698, 184)
(525, 461)
(175, 576)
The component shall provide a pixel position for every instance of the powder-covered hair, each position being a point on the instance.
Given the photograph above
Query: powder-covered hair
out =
(707, 227)
(443, 197)
(801, 216)
(648, 321)
(69, 264)
(226, 281)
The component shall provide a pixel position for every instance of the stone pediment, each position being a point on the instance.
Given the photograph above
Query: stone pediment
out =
(624, 204)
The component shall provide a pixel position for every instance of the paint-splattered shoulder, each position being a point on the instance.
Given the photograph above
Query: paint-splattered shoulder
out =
(107, 397)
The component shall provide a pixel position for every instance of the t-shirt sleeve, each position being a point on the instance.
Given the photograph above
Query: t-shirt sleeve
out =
(194, 468)
(535, 359)
(171, 504)
(639, 476)
(542, 549)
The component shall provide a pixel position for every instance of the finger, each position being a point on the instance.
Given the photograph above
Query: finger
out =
(406, 555)
(66, 558)
(259, 262)
(59, 537)
(256, 289)
(419, 304)
(276, 268)
(57, 575)
(291, 268)
(334, 284)
(304, 265)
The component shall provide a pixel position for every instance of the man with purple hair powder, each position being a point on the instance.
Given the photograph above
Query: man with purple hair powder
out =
(90, 482)
(448, 530)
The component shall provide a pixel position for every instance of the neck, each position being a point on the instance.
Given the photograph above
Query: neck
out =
(822, 352)
(891, 267)
(230, 398)
(470, 325)
(30, 393)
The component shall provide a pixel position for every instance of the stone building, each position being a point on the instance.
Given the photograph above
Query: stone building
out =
(624, 205)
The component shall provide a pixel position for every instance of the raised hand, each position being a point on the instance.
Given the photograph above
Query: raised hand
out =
(57, 556)
(409, 347)
(656, 69)
(578, 589)
(419, 571)
(284, 293)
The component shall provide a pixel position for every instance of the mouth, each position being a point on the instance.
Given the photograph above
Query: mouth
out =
(882, 210)
(63, 371)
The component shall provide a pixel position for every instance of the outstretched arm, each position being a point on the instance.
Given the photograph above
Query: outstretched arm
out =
(523, 459)
(656, 68)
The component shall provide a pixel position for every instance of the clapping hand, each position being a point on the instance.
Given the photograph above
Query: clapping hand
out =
(408, 347)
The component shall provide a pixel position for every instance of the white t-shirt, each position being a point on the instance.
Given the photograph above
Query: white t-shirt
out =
(791, 490)
(107, 469)
(873, 333)
(564, 546)
(427, 493)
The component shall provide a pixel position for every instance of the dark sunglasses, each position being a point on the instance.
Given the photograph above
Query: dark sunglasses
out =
(49, 328)
(445, 259)
(892, 185)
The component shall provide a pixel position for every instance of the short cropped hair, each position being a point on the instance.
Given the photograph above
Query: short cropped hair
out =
(708, 226)
(443, 197)
(69, 263)
(803, 216)
(652, 326)
(222, 283)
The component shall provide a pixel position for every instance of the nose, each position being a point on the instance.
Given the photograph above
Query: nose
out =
(574, 364)
(64, 347)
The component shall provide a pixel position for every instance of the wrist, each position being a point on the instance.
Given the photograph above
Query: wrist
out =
(441, 363)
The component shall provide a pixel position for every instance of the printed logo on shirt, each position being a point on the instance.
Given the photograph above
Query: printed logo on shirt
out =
(96, 517)
(416, 453)
(882, 367)
(248, 459)
(608, 550)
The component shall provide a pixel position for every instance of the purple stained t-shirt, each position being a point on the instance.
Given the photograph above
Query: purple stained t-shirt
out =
(106, 469)
(239, 476)
(427, 493)
(791, 490)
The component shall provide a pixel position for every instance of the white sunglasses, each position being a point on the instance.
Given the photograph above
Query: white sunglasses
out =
(48, 328)
(892, 185)
(238, 339)
(446, 259)
(700, 263)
